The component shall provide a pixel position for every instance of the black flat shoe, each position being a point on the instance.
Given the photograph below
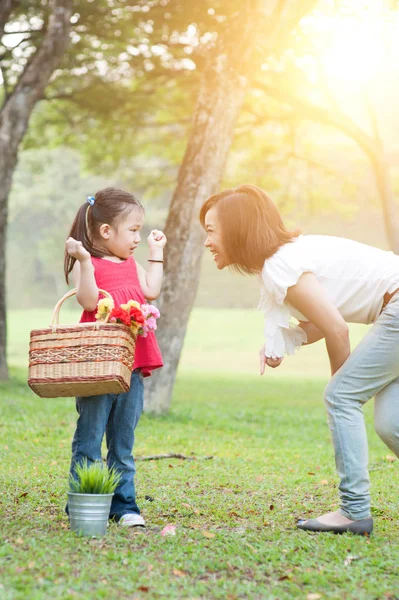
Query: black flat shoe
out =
(362, 527)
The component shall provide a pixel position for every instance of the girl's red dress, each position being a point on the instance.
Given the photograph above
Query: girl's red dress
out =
(122, 282)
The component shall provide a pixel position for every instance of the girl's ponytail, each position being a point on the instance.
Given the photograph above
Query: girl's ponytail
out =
(79, 231)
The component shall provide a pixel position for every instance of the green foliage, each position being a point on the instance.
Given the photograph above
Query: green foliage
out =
(128, 84)
(130, 65)
(126, 89)
(123, 97)
(94, 478)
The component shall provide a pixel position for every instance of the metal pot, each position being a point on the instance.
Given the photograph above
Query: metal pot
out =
(88, 513)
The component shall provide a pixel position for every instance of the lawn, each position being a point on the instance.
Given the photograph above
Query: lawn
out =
(234, 513)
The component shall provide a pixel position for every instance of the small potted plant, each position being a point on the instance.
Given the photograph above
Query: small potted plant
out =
(90, 496)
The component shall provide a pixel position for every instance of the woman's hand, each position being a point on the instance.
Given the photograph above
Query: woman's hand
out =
(75, 249)
(156, 239)
(265, 360)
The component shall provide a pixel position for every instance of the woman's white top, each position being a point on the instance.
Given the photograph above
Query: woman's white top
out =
(354, 277)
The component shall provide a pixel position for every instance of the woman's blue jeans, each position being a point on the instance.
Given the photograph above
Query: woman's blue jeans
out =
(116, 415)
(371, 370)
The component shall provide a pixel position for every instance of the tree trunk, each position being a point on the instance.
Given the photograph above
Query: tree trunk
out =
(388, 205)
(259, 29)
(220, 98)
(6, 8)
(14, 119)
(383, 180)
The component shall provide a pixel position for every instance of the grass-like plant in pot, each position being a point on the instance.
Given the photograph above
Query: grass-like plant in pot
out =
(90, 496)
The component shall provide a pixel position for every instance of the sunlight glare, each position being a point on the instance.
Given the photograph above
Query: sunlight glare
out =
(355, 48)
(356, 53)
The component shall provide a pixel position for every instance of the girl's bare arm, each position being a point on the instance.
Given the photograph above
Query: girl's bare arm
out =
(83, 275)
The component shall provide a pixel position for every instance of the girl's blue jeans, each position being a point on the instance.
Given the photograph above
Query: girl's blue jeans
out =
(116, 415)
(371, 370)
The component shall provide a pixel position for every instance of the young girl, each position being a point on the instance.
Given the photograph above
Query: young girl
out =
(99, 253)
(324, 282)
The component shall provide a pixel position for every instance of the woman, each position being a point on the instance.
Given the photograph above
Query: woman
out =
(324, 282)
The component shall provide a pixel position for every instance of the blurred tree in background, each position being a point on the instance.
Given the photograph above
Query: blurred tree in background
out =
(23, 84)
(153, 90)
(106, 77)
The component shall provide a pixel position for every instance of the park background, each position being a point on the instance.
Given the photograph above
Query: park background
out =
(125, 106)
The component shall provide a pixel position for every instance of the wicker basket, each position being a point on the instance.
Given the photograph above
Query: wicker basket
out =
(84, 359)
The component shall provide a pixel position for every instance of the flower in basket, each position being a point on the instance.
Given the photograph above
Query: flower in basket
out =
(104, 306)
(151, 314)
(140, 318)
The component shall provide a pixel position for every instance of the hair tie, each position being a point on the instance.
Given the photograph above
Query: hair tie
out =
(90, 200)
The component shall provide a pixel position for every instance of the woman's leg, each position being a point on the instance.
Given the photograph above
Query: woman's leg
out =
(372, 366)
(386, 415)
(122, 422)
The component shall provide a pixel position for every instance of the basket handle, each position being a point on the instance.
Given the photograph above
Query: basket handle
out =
(57, 308)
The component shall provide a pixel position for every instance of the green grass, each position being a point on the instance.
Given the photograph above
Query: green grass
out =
(234, 514)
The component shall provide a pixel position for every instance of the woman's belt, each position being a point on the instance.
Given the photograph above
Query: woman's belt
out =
(388, 297)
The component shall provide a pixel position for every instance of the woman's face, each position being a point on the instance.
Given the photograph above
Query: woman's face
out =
(214, 238)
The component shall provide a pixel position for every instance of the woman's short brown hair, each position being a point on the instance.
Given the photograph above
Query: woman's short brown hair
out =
(251, 226)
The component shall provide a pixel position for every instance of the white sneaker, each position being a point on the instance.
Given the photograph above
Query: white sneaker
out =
(132, 520)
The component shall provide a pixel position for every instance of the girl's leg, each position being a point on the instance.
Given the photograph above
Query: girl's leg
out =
(122, 422)
(386, 415)
(372, 366)
(90, 428)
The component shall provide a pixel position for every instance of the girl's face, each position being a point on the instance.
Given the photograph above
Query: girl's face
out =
(122, 239)
(214, 238)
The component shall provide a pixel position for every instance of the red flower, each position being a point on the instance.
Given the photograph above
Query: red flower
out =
(128, 316)
(136, 315)
(121, 316)
(140, 320)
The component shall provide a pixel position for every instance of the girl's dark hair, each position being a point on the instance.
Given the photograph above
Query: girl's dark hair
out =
(110, 204)
(251, 226)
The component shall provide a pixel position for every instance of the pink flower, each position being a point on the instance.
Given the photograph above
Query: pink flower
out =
(151, 323)
(145, 310)
(151, 313)
(155, 312)
(150, 310)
